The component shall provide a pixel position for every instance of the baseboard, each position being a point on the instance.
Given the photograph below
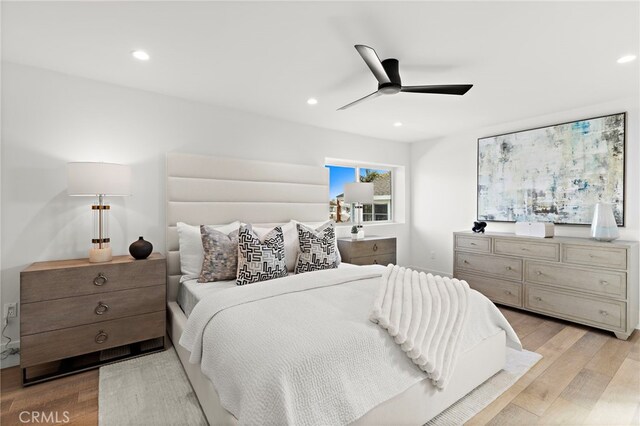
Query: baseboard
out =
(431, 271)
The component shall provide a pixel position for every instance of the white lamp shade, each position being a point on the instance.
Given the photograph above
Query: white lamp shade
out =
(358, 192)
(98, 179)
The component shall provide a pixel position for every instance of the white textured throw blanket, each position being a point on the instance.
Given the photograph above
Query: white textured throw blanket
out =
(300, 349)
(425, 315)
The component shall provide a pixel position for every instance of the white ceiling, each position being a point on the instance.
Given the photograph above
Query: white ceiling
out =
(524, 58)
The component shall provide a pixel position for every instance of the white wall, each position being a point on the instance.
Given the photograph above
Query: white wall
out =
(50, 119)
(443, 182)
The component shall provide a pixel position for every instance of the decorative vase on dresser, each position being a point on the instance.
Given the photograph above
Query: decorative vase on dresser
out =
(77, 315)
(576, 279)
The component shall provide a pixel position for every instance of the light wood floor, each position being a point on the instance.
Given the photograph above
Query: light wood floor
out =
(586, 377)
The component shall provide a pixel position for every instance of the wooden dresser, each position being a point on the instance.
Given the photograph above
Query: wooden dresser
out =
(368, 251)
(577, 279)
(77, 315)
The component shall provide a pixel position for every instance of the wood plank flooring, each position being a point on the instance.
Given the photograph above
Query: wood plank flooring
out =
(586, 377)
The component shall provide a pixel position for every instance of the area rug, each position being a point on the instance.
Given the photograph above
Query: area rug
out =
(150, 390)
(154, 390)
(518, 363)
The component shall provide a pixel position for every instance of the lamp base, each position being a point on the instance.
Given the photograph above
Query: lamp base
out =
(97, 255)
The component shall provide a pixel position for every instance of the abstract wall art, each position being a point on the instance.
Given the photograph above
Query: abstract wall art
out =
(555, 174)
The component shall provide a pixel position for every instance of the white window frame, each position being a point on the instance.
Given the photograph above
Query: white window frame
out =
(358, 166)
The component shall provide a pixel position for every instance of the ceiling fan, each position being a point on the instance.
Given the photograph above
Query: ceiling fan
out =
(389, 83)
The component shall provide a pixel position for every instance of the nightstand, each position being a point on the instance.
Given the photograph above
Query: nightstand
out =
(77, 315)
(368, 251)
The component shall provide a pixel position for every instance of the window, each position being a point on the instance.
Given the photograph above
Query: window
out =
(379, 211)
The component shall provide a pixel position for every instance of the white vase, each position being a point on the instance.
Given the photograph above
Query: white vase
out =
(604, 226)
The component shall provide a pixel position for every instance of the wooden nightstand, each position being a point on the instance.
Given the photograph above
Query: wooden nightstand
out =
(77, 315)
(368, 251)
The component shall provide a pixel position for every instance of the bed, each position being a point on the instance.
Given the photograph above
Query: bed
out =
(203, 189)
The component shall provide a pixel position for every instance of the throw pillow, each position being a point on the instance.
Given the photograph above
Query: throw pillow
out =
(317, 248)
(220, 260)
(260, 260)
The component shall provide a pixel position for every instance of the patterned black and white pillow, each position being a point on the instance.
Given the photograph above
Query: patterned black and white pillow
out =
(260, 260)
(317, 248)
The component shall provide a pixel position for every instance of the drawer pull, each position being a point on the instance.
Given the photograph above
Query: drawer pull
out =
(524, 249)
(508, 268)
(508, 293)
(473, 244)
(466, 262)
(101, 308)
(605, 283)
(375, 261)
(375, 247)
(538, 272)
(101, 279)
(101, 337)
(538, 299)
(604, 313)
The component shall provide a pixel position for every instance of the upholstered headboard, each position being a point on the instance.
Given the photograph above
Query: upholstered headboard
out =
(214, 190)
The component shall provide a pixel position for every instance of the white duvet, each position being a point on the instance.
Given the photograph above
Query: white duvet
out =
(301, 350)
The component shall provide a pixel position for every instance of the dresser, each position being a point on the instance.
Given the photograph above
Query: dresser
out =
(577, 279)
(368, 251)
(77, 315)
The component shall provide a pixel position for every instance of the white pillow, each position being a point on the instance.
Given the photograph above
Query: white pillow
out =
(191, 250)
(290, 234)
(314, 225)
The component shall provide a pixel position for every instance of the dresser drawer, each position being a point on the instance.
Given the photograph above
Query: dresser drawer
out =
(607, 257)
(55, 314)
(369, 247)
(383, 259)
(499, 291)
(502, 267)
(606, 283)
(47, 284)
(610, 314)
(479, 244)
(546, 251)
(53, 345)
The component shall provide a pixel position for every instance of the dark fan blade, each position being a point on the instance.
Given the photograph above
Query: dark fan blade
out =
(371, 96)
(447, 89)
(371, 58)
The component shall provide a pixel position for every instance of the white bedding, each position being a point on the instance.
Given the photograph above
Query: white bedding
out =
(191, 291)
(301, 350)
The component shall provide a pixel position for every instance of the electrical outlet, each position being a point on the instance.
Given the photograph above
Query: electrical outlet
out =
(433, 254)
(10, 310)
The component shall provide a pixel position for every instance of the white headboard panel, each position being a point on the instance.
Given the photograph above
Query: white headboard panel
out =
(215, 190)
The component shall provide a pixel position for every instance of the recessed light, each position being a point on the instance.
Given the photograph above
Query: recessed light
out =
(140, 55)
(397, 124)
(312, 101)
(626, 58)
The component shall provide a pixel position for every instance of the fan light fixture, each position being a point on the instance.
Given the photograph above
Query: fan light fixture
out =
(141, 55)
(389, 82)
(627, 58)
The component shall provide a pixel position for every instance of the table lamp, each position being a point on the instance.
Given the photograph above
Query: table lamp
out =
(358, 193)
(99, 180)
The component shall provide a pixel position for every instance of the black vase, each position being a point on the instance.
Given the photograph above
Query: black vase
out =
(140, 249)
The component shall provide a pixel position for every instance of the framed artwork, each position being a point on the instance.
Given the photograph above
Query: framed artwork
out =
(555, 174)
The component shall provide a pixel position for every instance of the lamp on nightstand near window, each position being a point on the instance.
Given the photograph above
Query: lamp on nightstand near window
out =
(358, 193)
(99, 180)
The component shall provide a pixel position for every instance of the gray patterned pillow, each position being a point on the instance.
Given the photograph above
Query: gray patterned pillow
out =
(317, 248)
(260, 260)
(220, 255)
